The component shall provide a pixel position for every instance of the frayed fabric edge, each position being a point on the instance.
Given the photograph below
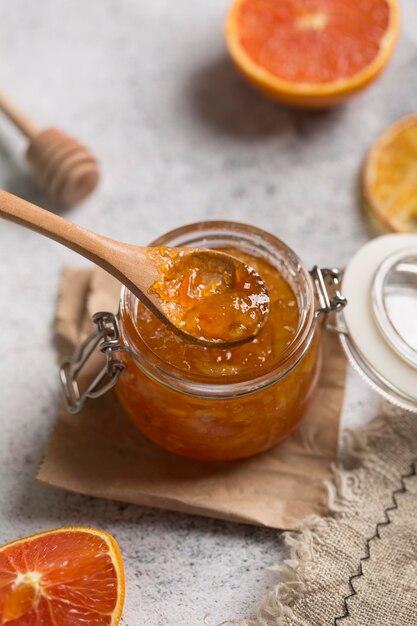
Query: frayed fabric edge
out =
(343, 490)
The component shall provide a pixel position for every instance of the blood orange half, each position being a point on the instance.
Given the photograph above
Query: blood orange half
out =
(63, 577)
(312, 53)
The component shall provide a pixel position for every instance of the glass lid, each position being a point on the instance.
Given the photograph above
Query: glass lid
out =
(394, 299)
(378, 327)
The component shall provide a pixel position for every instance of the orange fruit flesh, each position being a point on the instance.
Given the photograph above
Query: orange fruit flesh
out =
(68, 577)
(314, 41)
(312, 54)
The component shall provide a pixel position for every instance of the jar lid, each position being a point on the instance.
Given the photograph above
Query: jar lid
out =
(379, 324)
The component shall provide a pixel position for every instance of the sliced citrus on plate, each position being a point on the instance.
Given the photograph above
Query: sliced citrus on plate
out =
(64, 577)
(312, 53)
(390, 177)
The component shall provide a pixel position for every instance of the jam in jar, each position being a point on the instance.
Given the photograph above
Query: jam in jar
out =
(224, 403)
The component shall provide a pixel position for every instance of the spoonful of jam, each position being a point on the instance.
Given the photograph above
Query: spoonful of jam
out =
(209, 296)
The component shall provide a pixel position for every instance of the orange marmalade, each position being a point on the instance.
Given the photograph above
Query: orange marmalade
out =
(210, 296)
(216, 403)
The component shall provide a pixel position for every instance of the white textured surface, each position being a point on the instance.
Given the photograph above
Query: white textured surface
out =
(180, 138)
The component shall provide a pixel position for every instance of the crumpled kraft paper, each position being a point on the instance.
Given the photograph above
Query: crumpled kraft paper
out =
(99, 452)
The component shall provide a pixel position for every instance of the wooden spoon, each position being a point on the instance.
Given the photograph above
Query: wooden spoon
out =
(207, 295)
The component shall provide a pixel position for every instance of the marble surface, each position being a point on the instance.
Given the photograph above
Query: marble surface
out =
(180, 138)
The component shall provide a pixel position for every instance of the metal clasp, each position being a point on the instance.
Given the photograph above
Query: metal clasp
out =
(326, 282)
(106, 338)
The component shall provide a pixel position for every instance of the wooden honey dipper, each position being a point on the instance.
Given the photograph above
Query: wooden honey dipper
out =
(62, 167)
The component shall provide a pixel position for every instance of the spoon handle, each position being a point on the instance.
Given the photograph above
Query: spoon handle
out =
(100, 250)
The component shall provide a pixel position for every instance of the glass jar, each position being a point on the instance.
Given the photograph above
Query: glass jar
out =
(213, 415)
(221, 413)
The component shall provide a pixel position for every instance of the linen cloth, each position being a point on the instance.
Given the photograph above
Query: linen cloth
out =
(372, 528)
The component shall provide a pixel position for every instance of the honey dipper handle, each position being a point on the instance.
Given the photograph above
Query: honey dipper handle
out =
(107, 253)
(19, 119)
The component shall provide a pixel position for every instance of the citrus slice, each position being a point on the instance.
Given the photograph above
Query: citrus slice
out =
(390, 177)
(312, 53)
(64, 577)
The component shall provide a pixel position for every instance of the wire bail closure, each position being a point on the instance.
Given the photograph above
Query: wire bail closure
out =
(106, 338)
(326, 283)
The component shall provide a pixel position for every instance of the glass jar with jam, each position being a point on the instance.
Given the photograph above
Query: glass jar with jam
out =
(216, 403)
(209, 402)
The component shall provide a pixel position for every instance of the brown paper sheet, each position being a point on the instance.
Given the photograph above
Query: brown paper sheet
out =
(99, 452)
